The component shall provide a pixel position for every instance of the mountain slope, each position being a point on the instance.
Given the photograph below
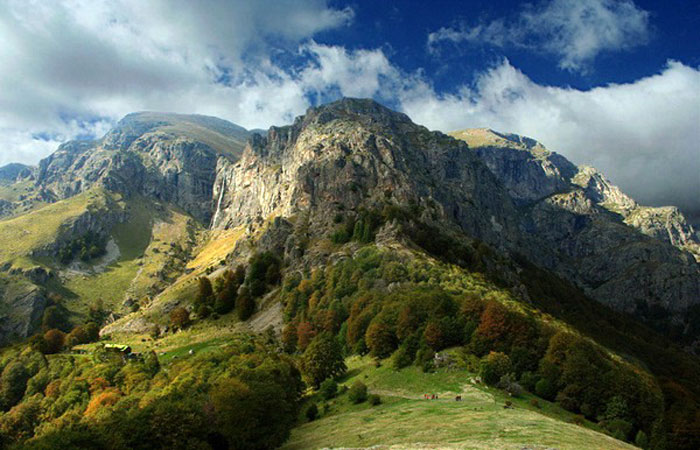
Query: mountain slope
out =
(355, 221)
(620, 252)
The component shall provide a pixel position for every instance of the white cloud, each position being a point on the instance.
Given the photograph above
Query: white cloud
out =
(66, 63)
(643, 135)
(575, 31)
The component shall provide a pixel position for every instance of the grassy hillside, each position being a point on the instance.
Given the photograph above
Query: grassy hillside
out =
(21, 235)
(152, 247)
(405, 418)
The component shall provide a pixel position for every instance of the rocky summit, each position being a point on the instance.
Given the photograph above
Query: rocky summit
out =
(353, 231)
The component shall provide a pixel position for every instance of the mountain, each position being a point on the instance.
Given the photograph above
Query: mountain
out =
(355, 223)
(618, 251)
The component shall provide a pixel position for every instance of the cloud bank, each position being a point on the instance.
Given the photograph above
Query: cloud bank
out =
(73, 68)
(574, 31)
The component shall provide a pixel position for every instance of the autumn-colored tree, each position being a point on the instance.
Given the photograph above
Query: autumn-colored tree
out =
(289, 338)
(407, 323)
(180, 317)
(305, 333)
(83, 334)
(98, 384)
(380, 340)
(494, 321)
(434, 335)
(54, 341)
(106, 398)
(53, 389)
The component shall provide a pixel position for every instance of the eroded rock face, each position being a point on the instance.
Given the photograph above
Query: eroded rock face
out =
(22, 306)
(356, 154)
(164, 156)
(623, 254)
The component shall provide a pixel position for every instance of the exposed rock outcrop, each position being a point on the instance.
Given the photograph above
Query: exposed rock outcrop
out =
(168, 157)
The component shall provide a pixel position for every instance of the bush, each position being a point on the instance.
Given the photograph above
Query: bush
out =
(358, 392)
(54, 340)
(311, 412)
(328, 389)
(534, 402)
(528, 380)
(508, 384)
(494, 366)
(374, 399)
(179, 317)
(545, 389)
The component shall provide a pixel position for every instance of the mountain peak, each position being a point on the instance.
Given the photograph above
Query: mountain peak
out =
(353, 108)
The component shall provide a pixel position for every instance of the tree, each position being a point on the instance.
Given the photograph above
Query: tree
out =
(357, 392)
(205, 292)
(545, 388)
(180, 317)
(83, 334)
(12, 384)
(305, 333)
(434, 336)
(322, 359)
(328, 389)
(494, 366)
(380, 340)
(289, 338)
(641, 440)
(54, 341)
(245, 305)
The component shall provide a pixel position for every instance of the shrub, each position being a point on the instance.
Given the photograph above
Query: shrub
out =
(54, 340)
(374, 399)
(311, 412)
(508, 384)
(494, 366)
(534, 402)
(528, 380)
(357, 392)
(179, 317)
(328, 389)
(545, 389)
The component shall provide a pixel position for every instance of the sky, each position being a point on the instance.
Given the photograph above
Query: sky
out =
(610, 83)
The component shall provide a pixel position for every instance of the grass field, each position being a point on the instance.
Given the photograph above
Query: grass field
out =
(405, 419)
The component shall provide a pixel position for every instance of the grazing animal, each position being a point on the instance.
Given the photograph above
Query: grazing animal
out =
(458, 398)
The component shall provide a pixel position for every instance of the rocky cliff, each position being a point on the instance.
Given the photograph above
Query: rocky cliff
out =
(168, 157)
(629, 256)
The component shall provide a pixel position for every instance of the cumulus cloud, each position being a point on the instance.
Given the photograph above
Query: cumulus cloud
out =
(73, 63)
(643, 135)
(575, 31)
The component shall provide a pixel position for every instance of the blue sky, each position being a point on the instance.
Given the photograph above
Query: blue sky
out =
(610, 83)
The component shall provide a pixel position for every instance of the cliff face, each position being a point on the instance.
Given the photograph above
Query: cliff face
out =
(168, 157)
(629, 256)
(354, 154)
